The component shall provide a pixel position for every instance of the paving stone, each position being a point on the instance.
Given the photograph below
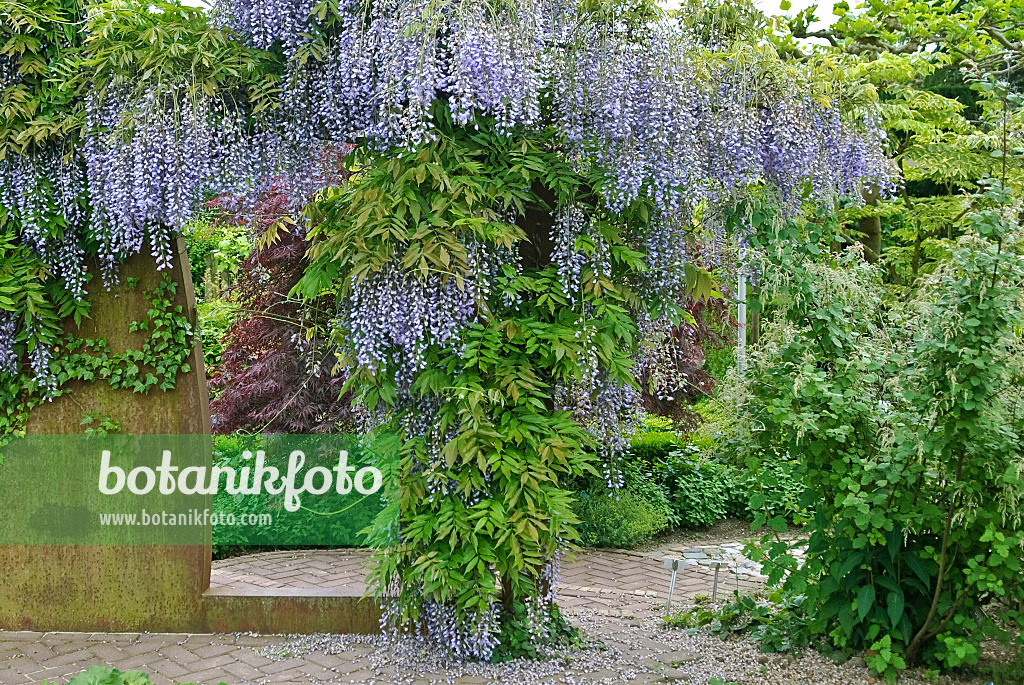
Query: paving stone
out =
(675, 675)
(19, 636)
(678, 657)
(281, 666)
(81, 656)
(211, 676)
(213, 650)
(139, 662)
(9, 676)
(243, 672)
(106, 652)
(170, 669)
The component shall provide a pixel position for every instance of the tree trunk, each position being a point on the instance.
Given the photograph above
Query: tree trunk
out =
(870, 228)
(537, 222)
(915, 265)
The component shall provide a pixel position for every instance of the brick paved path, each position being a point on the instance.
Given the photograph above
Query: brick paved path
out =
(605, 583)
(585, 583)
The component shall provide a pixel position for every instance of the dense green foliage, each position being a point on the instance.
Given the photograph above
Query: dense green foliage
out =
(40, 107)
(328, 520)
(908, 418)
(215, 252)
(935, 67)
(482, 503)
(682, 481)
(654, 446)
(166, 344)
(621, 518)
(519, 635)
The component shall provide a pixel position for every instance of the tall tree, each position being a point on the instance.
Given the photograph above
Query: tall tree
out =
(934, 66)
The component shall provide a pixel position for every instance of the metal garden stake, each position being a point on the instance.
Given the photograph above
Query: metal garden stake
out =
(673, 565)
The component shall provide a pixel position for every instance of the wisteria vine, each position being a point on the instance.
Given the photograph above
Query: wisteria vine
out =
(648, 111)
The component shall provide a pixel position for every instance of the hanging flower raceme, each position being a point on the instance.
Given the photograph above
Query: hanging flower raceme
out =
(8, 357)
(394, 316)
(149, 160)
(35, 190)
(377, 69)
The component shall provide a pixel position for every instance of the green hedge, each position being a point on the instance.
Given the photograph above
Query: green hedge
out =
(622, 518)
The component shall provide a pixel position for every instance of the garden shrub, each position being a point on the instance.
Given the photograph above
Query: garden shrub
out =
(656, 422)
(617, 518)
(700, 490)
(906, 417)
(772, 490)
(653, 448)
(696, 488)
(719, 358)
(215, 318)
(200, 245)
(645, 483)
(624, 516)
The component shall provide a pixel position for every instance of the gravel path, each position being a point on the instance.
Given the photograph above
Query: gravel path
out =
(618, 651)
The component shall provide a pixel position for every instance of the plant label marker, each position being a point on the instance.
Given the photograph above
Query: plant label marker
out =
(673, 565)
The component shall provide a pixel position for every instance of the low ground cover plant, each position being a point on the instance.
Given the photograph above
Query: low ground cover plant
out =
(105, 675)
(678, 480)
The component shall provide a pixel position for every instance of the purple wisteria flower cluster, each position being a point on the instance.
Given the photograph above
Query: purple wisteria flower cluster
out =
(662, 110)
(467, 634)
(135, 180)
(666, 118)
(608, 409)
(8, 357)
(576, 247)
(34, 189)
(381, 67)
(265, 23)
(150, 159)
(136, 177)
(394, 316)
(671, 123)
(37, 187)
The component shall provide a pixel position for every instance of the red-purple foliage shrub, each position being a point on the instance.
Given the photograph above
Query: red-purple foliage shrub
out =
(673, 374)
(276, 372)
